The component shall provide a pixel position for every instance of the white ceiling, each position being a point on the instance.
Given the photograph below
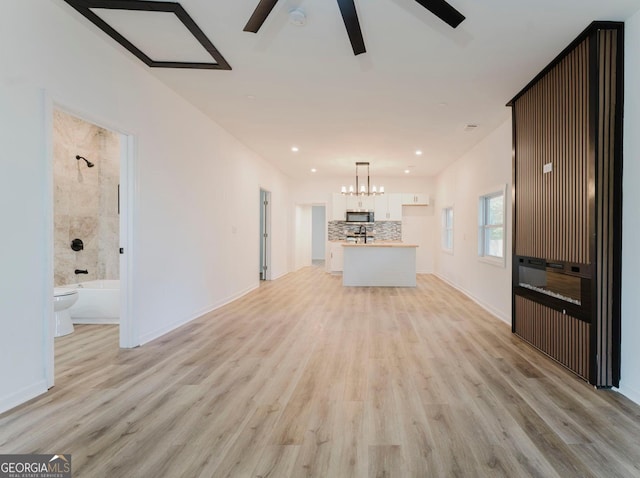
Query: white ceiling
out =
(416, 87)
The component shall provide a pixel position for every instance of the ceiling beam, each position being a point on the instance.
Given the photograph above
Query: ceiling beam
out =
(350, 17)
(443, 11)
(259, 15)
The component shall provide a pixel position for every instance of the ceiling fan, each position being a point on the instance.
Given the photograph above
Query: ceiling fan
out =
(439, 8)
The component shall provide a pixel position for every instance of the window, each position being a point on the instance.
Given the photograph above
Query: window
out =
(447, 229)
(491, 233)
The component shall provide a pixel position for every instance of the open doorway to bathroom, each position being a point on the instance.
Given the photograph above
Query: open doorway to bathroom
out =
(89, 212)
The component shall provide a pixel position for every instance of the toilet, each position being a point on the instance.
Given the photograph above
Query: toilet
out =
(63, 298)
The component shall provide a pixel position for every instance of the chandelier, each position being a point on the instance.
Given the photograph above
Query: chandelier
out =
(363, 188)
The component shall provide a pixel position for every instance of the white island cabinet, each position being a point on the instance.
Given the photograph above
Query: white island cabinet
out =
(335, 256)
(379, 265)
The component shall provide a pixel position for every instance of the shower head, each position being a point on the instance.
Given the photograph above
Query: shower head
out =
(89, 163)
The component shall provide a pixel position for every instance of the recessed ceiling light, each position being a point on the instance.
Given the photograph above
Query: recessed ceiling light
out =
(407, 171)
(295, 149)
(418, 152)
(313, 170)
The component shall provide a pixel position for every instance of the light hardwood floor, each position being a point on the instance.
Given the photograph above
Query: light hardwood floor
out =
(303, 377)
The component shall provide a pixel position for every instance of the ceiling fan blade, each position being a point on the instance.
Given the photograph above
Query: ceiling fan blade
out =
(259, 15)
(444, 11)
(350, 17)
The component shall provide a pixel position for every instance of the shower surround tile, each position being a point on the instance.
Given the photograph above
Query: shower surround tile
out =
(85, 200)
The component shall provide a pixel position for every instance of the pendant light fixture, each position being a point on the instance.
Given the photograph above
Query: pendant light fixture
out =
(363, 188)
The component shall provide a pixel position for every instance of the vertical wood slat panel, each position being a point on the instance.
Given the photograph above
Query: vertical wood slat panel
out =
(571, 117)
(560, 336)
(606, 201)
(553, 118)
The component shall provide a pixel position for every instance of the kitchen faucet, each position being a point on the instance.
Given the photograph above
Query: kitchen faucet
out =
(362, 226)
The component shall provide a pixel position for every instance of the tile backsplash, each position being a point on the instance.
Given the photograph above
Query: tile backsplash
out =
(383, 230)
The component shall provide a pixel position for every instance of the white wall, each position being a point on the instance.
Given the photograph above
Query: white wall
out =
(418, 227)
(482, 170)
(195, 198)
(630, 372)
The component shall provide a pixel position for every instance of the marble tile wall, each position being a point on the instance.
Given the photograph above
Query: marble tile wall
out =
(85, 200)
(383, 230)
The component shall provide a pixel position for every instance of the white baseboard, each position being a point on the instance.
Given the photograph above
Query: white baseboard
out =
(21, 396)
(109, 320)
(630, 393)
(493, 311)
(278, 276)
(148, 337)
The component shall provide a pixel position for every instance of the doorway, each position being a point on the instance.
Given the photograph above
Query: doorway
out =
(318, 235)
(265, 235)
(90, 171)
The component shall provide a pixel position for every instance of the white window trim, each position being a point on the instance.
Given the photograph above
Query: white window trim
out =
(442, 246)
(493, 260)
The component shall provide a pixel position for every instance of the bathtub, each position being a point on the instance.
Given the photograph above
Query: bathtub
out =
(98, 302)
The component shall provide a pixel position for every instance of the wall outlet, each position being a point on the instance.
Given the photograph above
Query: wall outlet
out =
(547, 168)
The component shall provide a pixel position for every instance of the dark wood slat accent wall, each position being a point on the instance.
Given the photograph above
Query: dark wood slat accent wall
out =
(605, 158)
(568, 221)
(560, 336)
(553, 121)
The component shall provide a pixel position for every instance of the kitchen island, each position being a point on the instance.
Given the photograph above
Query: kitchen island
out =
(379, 265)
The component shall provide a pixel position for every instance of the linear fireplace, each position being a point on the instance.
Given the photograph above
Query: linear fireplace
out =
(559, 285)
(546, 279)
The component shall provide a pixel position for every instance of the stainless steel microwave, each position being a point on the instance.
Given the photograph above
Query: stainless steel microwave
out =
(355, 215)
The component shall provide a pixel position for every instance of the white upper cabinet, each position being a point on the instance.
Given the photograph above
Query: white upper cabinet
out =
(338, 207)
(340, 204)
(388, 207)
(360, 202)
(415, 199)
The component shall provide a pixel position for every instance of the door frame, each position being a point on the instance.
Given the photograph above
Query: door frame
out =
(128, 326)
(265, 242)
